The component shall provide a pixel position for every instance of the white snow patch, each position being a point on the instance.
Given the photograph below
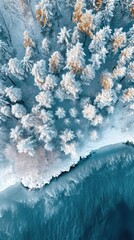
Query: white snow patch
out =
(114, 132)
(38, 171)
(7, 178)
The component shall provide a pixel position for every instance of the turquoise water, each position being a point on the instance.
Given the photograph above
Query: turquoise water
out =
(94, 201)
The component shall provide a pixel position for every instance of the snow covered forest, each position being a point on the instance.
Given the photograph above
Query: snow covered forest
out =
(66, 75)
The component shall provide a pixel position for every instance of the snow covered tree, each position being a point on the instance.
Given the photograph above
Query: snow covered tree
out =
(44, 13)
(83, 19)
(97, 120)
(119, 39)
(67, 135)
(126, 55)
(5, 111)
(98, 47)
(56, 62)
(106, 81)
(18, 110)
(119, 72)
(15, 68)
(73, 112)
(16, 133)
(105, 98)
(108, 11)
(27, 63)
(85, 24)
(30, 47)
(28, 42)
(132, 10)
(50, 83)
(67, 121)
(98, 4)
(46, 116)
(29, 121)
(14, 94)
(41, 14)
(69, 148)
(39, 71)
(47, 133)
(78, 10)
(128, 95)
(75, 58)
(45, 46)
(89, 112)
(130, 72)
(45, 98)
(88, 74)
(64, 36)
(60, 112)
(27, 146)
(75, 36)
(70, 86)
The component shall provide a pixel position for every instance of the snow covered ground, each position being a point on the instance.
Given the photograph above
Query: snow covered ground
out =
(36, 174)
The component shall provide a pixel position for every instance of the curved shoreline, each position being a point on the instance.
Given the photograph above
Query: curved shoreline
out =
(77, 195)
(104, 154)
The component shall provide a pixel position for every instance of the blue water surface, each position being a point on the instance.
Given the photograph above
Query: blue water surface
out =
(94, 201)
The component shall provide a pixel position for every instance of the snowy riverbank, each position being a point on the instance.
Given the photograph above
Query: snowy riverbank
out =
(57, 167)
(112, 134)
